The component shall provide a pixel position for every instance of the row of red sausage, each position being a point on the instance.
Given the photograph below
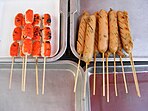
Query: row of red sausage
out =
(28, 36)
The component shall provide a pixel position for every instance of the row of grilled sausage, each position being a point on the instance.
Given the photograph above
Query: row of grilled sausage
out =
(28, 36)
(104, 32)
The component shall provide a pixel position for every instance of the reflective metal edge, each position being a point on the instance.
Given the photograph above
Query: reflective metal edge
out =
(74, 10)
(127, 68)
(58, 65)
(74, 14)
(62, 36)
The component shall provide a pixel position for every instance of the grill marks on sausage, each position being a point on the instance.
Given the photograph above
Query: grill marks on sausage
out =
(46, 20)
(37, 19)
(17, 33)
(89, 21)
(78, 42)
(14, 49)
(46, 34)
(120, 47)
(19, 20)
(37, 33)
(89, 39)
(125, 31)
(113, 31)
(96, 33)
(96, 43)
(121, 31)
(103, 31)
(81, 32)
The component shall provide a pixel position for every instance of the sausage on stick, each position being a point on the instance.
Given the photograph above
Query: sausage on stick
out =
(80, 41)
(45, 52)
(27, 50)
(127, 42)
(27, 36)
(95, 50)
(36, 52)
(89, 44)
(113, 41)
(103, 39)
(14, 49)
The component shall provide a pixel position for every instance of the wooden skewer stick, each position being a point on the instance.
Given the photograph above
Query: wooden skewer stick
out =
(43, 84)
(76, 78)
(124, 78)
(22, 72)
(25, 73)
(107, 79)
(85, 80)
(94, 84)
(37, 82)
(10, 79)
(135, 75)
(115, 75)
(103, 75)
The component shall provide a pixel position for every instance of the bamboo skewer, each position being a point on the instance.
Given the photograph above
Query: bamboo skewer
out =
(22, 73)
(85, 80)
(95, 50)
(107, 54)
(115, 75)
(10, 79)
(37, 83)
(94, 84)
(134, 75)
(43, 84)
(107, 79)
(25, 73)
(103, 75)
(76, 78)
(124, 78)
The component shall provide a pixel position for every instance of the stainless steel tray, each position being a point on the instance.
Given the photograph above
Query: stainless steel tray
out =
(59, 83)
(128, 102)
(61, 33)
(138, 22)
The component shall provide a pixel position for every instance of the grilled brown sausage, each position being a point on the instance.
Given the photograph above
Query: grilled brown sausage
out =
(89, 39)
(124, 28)
(103, 32)
(96, 33)
(81, 32)
(113, 31)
